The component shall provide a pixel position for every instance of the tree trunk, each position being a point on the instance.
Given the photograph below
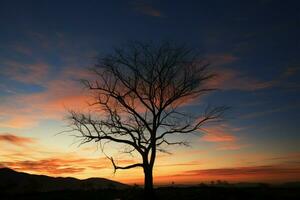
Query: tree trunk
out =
(148, 183)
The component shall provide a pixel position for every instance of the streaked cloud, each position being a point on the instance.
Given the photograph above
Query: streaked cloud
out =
(190, 163)
(260, 173)
(287, 157)
(232, 146)
(32, 73)
(224, 136)
(145, 8)
(16, 140)
(244, 171)
(232, 79)
(26, 110)
(217, 134)
(291, 71)
(269, 111)
(221, 59)
(22, 49)
(229, 79)
(47, 166)
(62, 165)
(18, 121)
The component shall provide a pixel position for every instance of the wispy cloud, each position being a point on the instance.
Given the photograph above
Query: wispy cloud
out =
(33, 73)
(16, 140)
(221, 59)
(22, 49)
(284, 158)
(217, 134)
(224, 135)
(26, 110)
(229, 79)
(145, 8)
(232, 79)
(47, 166)
(62, 165)
(264, 173)
(191, 163)
(232, 146)
(270, 111)
(244, 171)
(17, 120)
(291, 71)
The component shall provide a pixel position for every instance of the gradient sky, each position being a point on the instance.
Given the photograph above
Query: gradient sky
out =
(45, 47)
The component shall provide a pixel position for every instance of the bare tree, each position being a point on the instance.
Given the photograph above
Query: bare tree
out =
(140, 90)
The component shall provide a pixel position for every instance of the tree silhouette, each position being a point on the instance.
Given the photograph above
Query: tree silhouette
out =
(140, 90)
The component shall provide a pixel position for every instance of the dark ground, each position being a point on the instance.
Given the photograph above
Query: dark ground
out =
(165, 193)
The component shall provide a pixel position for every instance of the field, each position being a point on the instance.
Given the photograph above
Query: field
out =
(168, 193)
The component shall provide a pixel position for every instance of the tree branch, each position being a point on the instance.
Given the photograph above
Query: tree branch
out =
(124, 167)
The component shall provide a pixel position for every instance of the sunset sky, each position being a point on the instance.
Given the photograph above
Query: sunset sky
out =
(254, 46)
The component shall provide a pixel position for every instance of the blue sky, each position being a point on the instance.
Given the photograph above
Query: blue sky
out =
(253, 45)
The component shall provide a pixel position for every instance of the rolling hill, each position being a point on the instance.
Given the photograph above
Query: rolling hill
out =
(18, 182)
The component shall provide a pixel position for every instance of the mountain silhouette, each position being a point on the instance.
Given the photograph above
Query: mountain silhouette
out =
(18, 182)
